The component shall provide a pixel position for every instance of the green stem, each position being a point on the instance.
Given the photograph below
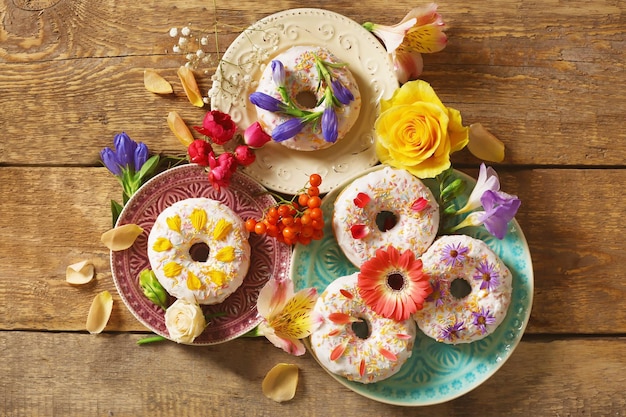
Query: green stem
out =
(150, 339)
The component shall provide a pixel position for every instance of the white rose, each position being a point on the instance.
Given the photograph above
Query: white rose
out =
(184, 321)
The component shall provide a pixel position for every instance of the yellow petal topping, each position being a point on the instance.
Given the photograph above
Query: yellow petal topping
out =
(222, 229)
(226, 254)
(193, 282)
(174, 223)
(218, 277)
(198, 219)
(172, 269)
(162, 244)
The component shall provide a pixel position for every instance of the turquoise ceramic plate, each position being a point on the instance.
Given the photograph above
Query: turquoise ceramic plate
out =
(436, 372)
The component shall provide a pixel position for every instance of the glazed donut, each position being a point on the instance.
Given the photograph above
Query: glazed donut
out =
(362, 211)
(302, 84)
(471, 290)
(198, 249)
(372, 353)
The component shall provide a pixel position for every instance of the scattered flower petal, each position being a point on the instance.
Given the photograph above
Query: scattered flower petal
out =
(179, 128)
(121, 237)
(79, 273)
(188, 80)
(387, 354)
(419, 205)
(361, 200)
(359, 231)
(338, 350)
(341, 318)
(155, 83)
(346, 294)
(484, 145)
(99, 312)
(281, 382)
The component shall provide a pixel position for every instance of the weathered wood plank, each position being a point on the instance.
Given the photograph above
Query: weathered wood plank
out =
(108, 375)
(52, 217)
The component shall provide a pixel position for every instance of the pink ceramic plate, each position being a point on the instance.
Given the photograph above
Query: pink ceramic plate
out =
(237, 314)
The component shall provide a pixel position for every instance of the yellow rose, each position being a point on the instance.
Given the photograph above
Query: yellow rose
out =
(184, 321)
(416, 132)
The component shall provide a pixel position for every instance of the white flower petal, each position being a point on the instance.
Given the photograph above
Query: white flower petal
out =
(99, 312)
(79, 273)
(281, 382)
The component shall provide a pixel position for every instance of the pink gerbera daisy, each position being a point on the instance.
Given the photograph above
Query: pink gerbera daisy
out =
(393, 284)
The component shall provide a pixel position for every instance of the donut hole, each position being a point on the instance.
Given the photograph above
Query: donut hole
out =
(199, 252)
(460, 288)
(386, 220)
(361, 329)
(306, 99)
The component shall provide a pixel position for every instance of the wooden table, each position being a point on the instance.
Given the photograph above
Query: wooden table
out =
(546, 77)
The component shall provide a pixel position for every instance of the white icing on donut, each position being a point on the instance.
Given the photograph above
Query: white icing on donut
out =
(389, 190)
(342, 352)
(204, 221)
(453, 320)
(301, 76)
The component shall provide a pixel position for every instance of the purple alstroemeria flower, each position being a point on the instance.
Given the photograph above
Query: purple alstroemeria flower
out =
(288, 129)
(109, 159)
(483, 318)
(341, 93)
(329, 125)
(451, 332)
(125, 150)
(486, 273)
(278, 73)
(141, 155)
(267, 102)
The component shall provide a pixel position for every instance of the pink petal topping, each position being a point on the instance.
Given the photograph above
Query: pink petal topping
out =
(362, 367)
(359, 231)
(346, 294)
(334, 332)
(403, 336)
(361, 200)
(388, 354)
(420, 204)
(340, 318)
(338, 351)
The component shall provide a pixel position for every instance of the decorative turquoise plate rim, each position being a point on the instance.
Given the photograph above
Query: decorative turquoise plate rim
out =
(436, 372)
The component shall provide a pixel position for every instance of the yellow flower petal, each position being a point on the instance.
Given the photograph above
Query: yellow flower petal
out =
(484, 145)
(222, 229)
(172, 269)
(162, 244)
(281, 382)
(226, 254)
(190, 86)
(217, 277)
(179, 128)
(99, 312)
(198, 218)
(193, 282)
(155, 83)
(173, 223)
(79, 273)
(121, 237)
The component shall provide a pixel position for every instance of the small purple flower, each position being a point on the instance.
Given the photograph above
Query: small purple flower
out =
(483, 318)
(141, 155)
(278, 73)
(343, 94)
(486, 273)
(125, 150)
(436, 295)
(288, 129)
(454, 254)
(500, 209)
(109, 159)
(267, 102)
(452, 332)
(329, 124)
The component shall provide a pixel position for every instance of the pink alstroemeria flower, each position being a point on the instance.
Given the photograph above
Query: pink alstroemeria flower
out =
(221, 169)
(420, 32)
(287, 317)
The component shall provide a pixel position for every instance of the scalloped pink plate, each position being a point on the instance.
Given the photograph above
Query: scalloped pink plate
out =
(269, 258)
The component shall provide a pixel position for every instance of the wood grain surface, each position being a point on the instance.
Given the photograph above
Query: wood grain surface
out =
(546, 77)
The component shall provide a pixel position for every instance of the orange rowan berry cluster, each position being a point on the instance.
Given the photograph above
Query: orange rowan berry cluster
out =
(299, 220)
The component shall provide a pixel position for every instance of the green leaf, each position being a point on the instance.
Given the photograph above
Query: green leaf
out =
(147, 168)
(452, 190)
(116, 210)
(253, 333)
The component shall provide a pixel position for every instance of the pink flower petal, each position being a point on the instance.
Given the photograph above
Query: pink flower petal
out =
(359, 231)
(387, 354)
(338, 351)
(420, 204)
(340, 318)
(361, 200)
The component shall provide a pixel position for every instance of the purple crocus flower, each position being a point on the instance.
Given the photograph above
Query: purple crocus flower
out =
(486, 273)
(483, 318)
(451, 332)
(329, 124)
(267, 102)
(141, 155)
(278, 73)
(288, 129)
(125, 150)
(500, 209)
(341, 93)
(109, 159)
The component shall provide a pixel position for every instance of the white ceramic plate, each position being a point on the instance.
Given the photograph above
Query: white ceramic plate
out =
(277, 167)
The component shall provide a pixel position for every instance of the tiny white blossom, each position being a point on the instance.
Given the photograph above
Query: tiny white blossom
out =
(199, 53)
(173, 32)
(189, 57)
(204, 40)
(176, 49)
(186, 31)
(182, 41)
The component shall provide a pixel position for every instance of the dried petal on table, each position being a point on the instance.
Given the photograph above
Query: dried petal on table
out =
(155, 83)
(99, 312)
(79, 273)
(121, 237)
(280, 382)
(178, 126)
(484, 145)
(188, 80)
